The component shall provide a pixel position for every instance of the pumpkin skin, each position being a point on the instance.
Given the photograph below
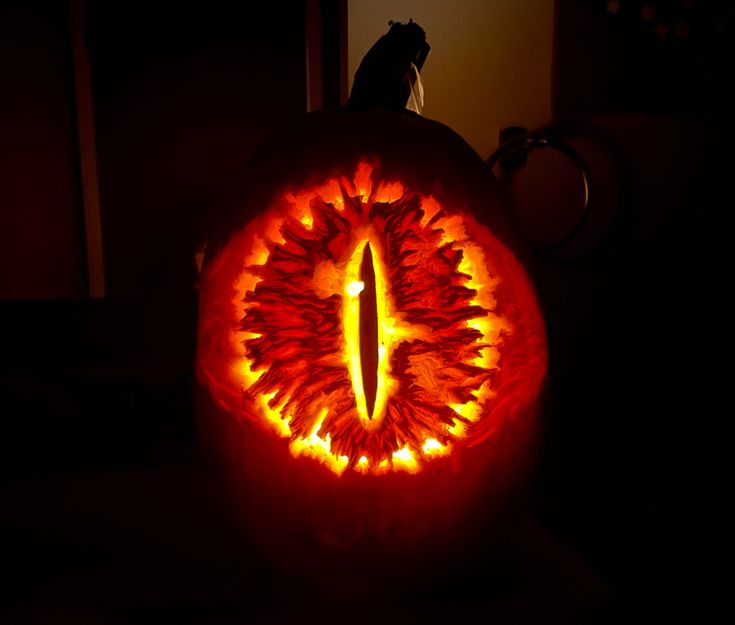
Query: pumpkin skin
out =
(377, 498)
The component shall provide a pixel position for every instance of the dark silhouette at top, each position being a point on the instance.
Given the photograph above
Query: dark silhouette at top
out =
(384, 77)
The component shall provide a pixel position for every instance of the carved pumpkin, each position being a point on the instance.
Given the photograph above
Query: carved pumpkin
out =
(370, 347)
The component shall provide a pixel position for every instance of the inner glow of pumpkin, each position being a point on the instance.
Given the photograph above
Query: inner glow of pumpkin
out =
(341, 278)
(390, 332)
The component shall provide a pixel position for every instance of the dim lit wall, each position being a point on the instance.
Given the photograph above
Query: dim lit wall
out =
(183, 97)
(41, 246)
(489, 65)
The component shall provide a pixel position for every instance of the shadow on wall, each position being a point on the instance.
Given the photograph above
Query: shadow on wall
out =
(639, 321)
(94, 385)
(183, 96)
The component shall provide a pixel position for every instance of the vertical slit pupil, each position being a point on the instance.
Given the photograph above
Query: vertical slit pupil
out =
(368, 330)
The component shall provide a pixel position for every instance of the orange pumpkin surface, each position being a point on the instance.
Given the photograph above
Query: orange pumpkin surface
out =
(371, 352)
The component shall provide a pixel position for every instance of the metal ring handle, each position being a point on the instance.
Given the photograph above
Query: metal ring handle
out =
(537, 140)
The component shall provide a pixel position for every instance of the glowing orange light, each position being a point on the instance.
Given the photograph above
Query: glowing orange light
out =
(295, 349)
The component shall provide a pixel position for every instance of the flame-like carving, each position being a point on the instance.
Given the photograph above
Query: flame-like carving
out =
(296, 350)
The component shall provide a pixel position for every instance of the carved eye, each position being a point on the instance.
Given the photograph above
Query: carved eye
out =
(372, 326)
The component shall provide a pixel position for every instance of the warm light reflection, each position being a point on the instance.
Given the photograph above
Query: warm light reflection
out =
(363, 181)
(340, 277)
(391, 329)
(458, 429)
(319, 447)
(388, 192)
(351, 329)
(433, 447)
(404, 460)
(355, 288)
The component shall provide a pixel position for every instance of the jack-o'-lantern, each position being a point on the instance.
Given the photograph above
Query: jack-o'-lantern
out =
(370, 347)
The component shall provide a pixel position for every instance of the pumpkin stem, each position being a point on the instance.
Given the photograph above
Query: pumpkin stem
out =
(384, 77)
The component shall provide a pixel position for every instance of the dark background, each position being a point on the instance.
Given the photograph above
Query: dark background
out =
(104, 509)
